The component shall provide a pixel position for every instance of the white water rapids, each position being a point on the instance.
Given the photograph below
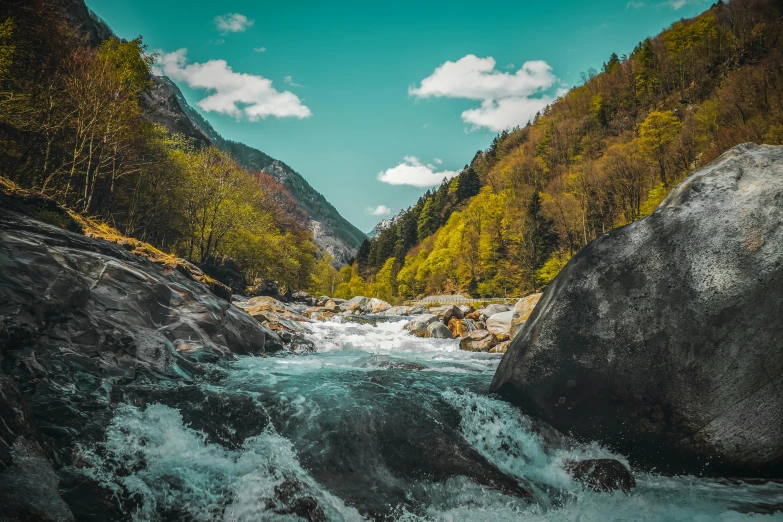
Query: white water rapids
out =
(354, 427)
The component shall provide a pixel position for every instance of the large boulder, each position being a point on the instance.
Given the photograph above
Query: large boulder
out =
(418, 325)
(500, 324)
(522, 311)
(80, 320)
(663, 338)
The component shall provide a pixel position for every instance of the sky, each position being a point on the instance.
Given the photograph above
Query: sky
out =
(375, 102)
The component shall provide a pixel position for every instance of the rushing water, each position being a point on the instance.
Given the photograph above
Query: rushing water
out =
(374, 425)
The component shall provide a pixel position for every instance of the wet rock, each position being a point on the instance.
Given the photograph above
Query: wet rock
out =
(478, 341)
(88, 500)
(663, 338)
(438, 330)
(602, 474)
(500, 325)
(29, 487)
(322, 300)
(294, 499)
(418, 325)
(522, 311)
(401, 365)
(282, 319)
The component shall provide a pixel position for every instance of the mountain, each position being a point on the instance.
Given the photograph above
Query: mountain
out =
(600, 157)
(165, 105)
(379, 227)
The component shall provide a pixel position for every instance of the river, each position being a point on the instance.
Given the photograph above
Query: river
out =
(375, 424)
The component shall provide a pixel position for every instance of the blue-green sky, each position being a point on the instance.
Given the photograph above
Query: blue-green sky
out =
(346, 100)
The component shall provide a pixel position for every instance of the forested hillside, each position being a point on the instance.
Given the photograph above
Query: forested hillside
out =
(72, 128)
(332, 231)
(600, 157)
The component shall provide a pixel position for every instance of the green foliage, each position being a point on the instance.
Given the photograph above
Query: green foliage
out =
(551, 268)
(602, 156)
(71, 127)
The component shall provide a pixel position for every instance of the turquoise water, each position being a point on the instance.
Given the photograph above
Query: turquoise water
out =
(376, 425)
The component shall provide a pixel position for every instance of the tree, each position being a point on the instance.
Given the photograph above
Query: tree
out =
(656, 132)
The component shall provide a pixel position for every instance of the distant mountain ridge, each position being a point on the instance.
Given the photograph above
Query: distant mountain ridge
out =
(164, 104)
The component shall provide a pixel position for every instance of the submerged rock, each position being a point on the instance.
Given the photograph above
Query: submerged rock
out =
(663, 338)
(602, 474)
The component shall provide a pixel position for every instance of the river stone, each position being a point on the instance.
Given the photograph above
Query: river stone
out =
(500, 324)
(418, 310)
(663, 338)
(446, 312)
(478, 341)
(378, 305)
(418, 325)
(438, 330)
(522, 311)
(493, 309)
(500, 348)
(602, 475)
(358, 305)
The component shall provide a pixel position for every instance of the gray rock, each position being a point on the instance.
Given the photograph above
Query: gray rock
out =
(438, 330)
(418, 310)
(446, 312)
(492, 310)
(358, 304)
(418, 325)
(500, 324)
(663, 338)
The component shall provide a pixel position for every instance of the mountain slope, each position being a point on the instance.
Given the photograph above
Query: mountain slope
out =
(601, 156)
(165, 105)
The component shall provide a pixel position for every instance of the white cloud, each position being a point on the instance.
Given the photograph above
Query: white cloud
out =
(290, 81)
(233, 23)
(437, 160)
(232, 93)
(380, 210)
(678, 4)
(507, 99)
(636, 4)
(412, 172)
(475, 78)
(260, 49)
